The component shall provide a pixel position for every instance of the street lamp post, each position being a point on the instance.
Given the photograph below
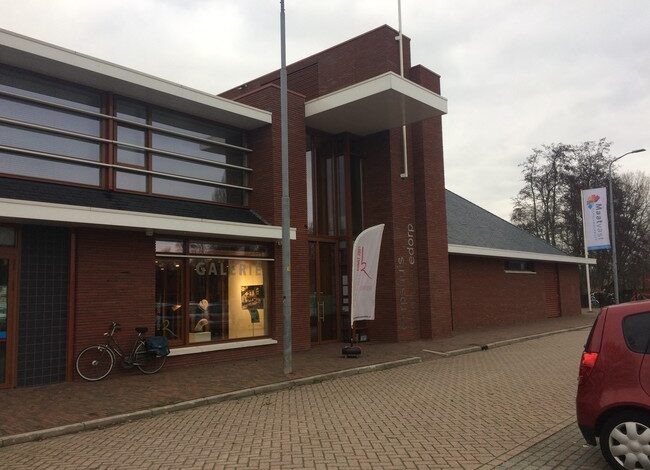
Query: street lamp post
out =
(611, 223)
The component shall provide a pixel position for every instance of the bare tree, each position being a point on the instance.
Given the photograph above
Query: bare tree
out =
(549, 206)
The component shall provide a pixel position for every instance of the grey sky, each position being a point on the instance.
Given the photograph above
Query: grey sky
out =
(517, 74)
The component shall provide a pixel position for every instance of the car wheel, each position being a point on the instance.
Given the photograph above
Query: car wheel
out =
(625, 441)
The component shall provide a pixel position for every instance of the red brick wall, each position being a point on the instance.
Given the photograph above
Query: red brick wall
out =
(266, 199)
(483, 294)
(377, 202)
(569, 279)
(115, 281)
(431, 219)
(352, 61)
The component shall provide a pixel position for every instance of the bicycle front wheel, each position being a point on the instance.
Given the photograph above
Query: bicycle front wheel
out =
(147, 361)
(94, 363)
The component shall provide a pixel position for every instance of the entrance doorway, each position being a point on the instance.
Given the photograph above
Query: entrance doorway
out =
(323, 296)
(7, 306)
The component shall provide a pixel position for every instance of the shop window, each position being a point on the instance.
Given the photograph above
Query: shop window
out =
(169, 299)
(226, 296)
(519, 266)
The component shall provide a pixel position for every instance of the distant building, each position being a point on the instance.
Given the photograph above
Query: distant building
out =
(128, 198)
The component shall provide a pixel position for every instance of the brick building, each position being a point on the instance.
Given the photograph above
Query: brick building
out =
(128, 198)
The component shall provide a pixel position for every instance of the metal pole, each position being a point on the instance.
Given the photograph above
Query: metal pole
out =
(286, 236)
(405, 174)
(613, 234)
(584, 237)
(611, 224)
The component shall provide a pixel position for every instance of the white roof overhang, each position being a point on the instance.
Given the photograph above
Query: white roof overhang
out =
(38, 56)
(513, 254)
(382, 102)
(15, 209)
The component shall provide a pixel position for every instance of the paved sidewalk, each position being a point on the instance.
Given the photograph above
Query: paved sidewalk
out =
(29, 409)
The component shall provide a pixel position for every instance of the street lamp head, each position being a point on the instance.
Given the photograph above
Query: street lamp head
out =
(628, 153)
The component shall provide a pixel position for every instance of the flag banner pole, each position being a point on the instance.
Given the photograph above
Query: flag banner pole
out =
(584, 237)
(365, 264)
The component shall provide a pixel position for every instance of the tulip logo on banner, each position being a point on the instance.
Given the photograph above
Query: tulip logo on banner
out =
(594, 218)
(364, 273)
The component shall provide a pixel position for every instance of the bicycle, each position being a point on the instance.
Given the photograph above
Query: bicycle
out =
(97, 361)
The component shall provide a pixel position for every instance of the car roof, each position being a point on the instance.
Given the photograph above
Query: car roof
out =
(628, 308)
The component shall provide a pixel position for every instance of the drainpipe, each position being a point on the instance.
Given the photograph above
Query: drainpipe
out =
(405, 174)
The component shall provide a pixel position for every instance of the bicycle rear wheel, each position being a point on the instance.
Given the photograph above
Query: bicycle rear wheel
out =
(148, 362)
(94, 363)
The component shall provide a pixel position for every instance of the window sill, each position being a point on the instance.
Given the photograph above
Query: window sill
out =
(520, 272)
(222, 346)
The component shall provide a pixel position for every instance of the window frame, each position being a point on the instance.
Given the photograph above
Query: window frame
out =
(185, 259)
(107, 163)
(526, 266)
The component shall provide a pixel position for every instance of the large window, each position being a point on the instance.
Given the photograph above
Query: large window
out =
(211, 291)
(41, 133)
(173, 154)
(54, 130)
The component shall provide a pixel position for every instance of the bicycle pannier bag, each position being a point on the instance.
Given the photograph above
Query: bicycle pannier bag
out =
(157, 344)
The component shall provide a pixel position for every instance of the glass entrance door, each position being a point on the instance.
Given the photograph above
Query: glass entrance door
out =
(4, 320)
(323, 296)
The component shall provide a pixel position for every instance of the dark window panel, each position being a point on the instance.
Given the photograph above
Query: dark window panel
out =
(194, 126)
(169, 187)
(228, 249)
(191, 169)
(169, 246)
(34, 86)
(131, 110)
(130, 135)
(48, 169)
(215, 153)
(519, 265)
(52, 117)
(7, 236)
(130, 157)
(41, 141)
(131, 181)
(169, 298)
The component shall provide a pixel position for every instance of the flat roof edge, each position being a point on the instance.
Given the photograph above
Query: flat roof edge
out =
(383, 82)
(250, 116)
(469, 250)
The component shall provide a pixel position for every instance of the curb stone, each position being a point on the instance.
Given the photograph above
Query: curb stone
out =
(101, 423)
(505, 342)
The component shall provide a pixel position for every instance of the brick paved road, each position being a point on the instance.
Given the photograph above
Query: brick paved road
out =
(477, 410)
(564, 450)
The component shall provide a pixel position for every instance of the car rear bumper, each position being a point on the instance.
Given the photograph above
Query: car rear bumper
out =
(589, 434)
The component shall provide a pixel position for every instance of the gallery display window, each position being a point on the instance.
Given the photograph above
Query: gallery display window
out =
(211, 291)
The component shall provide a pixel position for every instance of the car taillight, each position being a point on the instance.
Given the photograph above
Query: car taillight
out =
(587, 364)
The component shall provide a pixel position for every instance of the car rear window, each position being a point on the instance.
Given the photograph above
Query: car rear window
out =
(636, 329)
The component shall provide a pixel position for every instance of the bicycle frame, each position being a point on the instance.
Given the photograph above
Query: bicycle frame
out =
(114, 348)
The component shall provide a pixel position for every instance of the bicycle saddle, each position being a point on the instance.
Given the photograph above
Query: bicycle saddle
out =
(142, 329)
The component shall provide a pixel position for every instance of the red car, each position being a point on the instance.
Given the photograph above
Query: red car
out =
(613, 402)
